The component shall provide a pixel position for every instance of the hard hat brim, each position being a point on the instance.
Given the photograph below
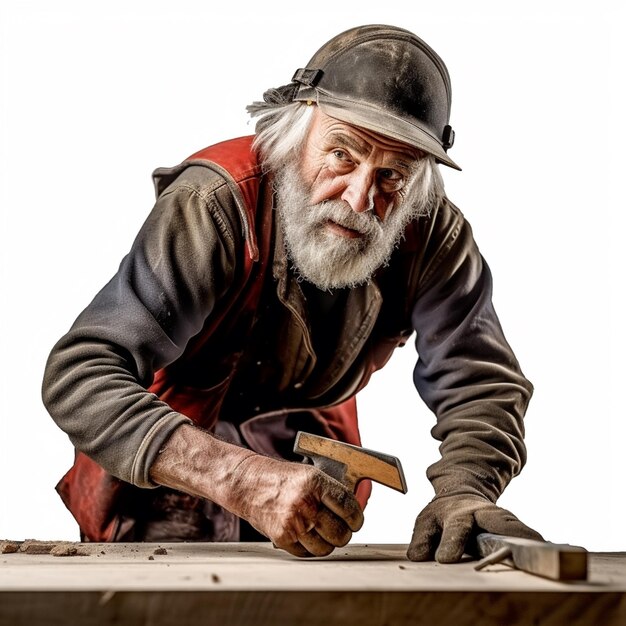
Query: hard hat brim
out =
(363, 115)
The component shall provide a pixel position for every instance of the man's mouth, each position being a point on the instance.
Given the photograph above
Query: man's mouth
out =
(343, 231)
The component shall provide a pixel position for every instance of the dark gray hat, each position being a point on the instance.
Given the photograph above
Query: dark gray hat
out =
(384, 79)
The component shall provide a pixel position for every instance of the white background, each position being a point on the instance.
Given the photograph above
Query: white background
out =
(93, 99)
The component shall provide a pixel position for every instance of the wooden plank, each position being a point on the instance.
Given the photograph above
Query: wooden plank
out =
(277, 608)
(256, 584)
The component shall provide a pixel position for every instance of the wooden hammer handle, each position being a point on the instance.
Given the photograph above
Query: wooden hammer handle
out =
(350, 464)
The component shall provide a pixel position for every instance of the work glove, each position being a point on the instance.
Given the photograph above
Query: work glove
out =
(445, 529)
(300, 508)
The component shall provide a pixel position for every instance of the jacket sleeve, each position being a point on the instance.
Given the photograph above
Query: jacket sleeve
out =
(466, 372)
(95, 381)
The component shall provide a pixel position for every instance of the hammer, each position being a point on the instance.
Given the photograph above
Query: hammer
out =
(350, 464)
(558, 561)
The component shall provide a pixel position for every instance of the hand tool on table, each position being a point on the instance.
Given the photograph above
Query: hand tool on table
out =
(350, 464)
(556, 561)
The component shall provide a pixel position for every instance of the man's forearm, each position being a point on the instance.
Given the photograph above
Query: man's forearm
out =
(195, 462)
(301, 509)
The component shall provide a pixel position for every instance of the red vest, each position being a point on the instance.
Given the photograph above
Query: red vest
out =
(90, 493)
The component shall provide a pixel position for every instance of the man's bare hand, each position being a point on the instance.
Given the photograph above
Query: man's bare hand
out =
(301, 509)
(298, 507)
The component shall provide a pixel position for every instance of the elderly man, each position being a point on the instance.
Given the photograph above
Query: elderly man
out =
(273, 276)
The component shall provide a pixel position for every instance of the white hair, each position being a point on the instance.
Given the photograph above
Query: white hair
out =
(425, 187)
(280, 132)
(332, 262)
(282, 129)
(327, 261)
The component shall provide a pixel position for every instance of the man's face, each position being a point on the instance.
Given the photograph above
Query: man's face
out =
(343, 205)
(364, 169)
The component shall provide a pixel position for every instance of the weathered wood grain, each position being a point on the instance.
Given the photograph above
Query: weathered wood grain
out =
(237, 584)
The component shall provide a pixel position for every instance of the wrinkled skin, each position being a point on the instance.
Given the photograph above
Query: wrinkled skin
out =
(298, 507)
(364, 169)
(301, 509)
(444, 530)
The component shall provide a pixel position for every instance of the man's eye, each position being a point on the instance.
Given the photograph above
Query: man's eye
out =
(390, 175)
(341, 155)
(391, 180)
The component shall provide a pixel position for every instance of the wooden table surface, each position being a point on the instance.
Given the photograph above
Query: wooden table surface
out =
(256, 584)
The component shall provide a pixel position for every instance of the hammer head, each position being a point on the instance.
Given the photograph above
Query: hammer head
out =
(350, 464)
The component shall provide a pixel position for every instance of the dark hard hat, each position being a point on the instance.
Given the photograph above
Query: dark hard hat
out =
(384, 79)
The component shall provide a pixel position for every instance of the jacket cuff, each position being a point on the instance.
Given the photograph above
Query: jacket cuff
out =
(466, 481)
(150, 446)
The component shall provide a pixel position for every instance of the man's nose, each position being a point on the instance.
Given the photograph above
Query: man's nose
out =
(360, 191)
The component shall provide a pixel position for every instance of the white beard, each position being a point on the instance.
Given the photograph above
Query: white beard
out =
(327, 259)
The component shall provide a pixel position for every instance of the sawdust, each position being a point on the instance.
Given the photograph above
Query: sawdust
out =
(67, 550)
(8, 547)
(75, 548)
(34, 546)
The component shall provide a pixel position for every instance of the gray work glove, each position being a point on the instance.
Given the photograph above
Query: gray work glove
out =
(446, 527)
